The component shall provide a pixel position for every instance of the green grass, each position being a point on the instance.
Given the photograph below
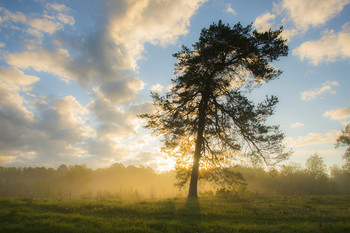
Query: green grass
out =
(253, 214)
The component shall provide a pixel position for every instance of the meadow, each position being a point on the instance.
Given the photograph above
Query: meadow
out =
(253, 213)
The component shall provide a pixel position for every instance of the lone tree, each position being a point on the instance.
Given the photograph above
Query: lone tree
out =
(206, 114)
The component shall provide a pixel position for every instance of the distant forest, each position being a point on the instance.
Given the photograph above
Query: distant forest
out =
(118, 181)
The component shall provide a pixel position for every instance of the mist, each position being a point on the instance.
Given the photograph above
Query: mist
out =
(135, 183)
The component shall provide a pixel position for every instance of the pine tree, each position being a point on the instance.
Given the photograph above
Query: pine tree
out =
(206, 115)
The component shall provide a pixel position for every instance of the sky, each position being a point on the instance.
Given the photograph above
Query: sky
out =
(74, 74)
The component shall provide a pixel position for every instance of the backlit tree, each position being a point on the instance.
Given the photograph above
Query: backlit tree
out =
(206, 116)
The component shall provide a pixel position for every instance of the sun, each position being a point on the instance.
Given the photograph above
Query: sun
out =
(165, 164)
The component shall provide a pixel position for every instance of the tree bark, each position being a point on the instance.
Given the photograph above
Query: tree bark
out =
(199, 143)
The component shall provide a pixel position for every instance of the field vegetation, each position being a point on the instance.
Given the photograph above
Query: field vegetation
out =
(73, 199)
(252, 213)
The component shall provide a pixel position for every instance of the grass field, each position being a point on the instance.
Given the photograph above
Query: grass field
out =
(252, 214)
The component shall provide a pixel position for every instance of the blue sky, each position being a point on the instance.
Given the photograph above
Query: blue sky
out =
(74, 75)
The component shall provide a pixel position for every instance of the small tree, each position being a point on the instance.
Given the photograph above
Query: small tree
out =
(344, 140)
(316, 167)
(206, 117)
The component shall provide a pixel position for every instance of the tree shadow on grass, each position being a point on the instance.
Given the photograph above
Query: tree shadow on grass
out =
(190, 216)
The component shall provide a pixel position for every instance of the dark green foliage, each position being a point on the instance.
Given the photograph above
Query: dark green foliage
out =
(251, 214)
(206, 115)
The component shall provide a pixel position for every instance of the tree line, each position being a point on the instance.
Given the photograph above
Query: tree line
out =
(119, 181)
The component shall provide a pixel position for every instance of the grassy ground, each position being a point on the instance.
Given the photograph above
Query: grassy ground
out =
(253, 214)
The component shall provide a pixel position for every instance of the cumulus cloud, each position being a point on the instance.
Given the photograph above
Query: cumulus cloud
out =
(12, 104)
(120, 92)
(103, 60)
(331, 46)
(13, 76)
(37, 25)
(338, 114)
(157, 88)
(263, 22)
(41, 60)
(156, 22)
(312, 139)
(299, 15)
(55, 130)
(297, 125)
(117, 122)
(312, 94)
(310, 13)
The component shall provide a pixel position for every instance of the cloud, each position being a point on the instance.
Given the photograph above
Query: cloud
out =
(297, 125)
(36, 26)
(229, 9)
(330, 47)
(60, 63)
(262, 23)
(103, 59)
(157, 88)
(338, 114)
(309, 13)
(311, 95)
(42, 60)
(12, 103)
(45, 132)
(106, 150)
(120, 92)
(312, 139)
(155, 22)
(13, 76)
(6, 159)
(117, 122)
(57, 7)
(299, 15)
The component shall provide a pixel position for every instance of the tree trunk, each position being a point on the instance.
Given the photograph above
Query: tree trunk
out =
(194, 177)
(198, 150)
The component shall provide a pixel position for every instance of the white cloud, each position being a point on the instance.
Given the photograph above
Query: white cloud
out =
(66, 19)
(338, 114)
(312, 139)
(299, 15)
(297, 125)
(309, 13)
(12, 104)
(330, 47)
(13, 76)
(57, 7)
(60, 129)
(45, 25)
(52, 20)
(51, 61)
(156, 22)
(157, 88)
(229, 9)
(2, 45)
(263, 22)
(311, 95)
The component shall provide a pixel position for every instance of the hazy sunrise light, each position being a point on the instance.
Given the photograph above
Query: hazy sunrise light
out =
(75, 76)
